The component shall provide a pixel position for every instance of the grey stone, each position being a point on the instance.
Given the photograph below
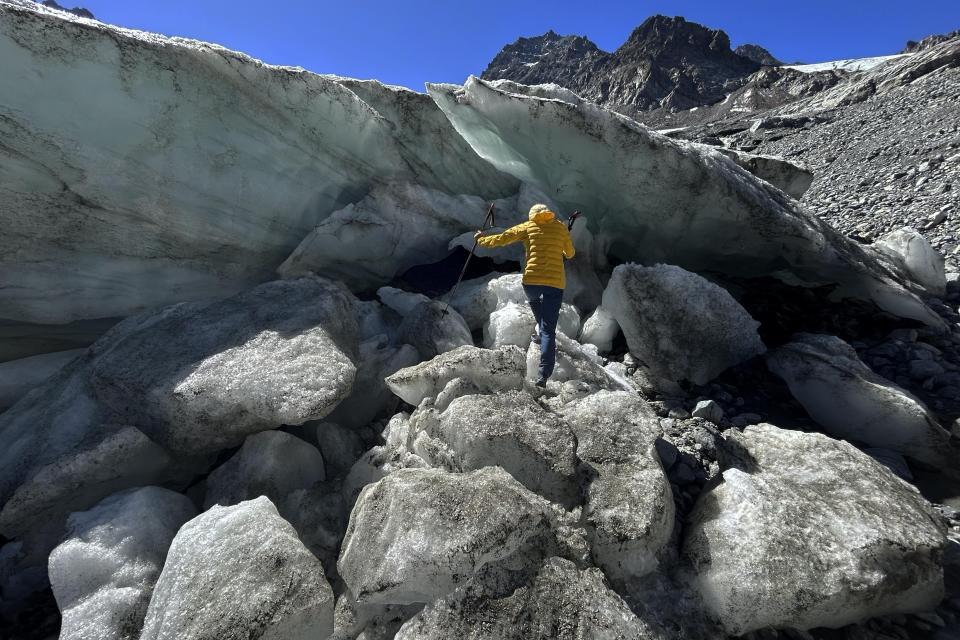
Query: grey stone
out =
(708, 410)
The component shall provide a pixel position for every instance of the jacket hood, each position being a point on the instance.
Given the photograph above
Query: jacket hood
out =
(541, 217)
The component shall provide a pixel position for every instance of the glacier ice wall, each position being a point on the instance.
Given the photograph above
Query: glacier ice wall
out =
(138, 170)
(661, 200)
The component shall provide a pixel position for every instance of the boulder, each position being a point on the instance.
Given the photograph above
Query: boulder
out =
(417, 534)
(629, 503)
(709, 411)
(806, 531)
(371, 398)
(513, 323)
(509, 430)
(319, 515)
(433, 328)
(600, 329)
(339, 446)
(240, 572)
(272, 464)
(430, 326)
(561, 603)
(575, 363)
(916, 256)
(103, 573)
(852, 402)
(156, 394)
(682, 326)
(479, 300)
(201, 378)
(790, 177)
(485, 370)
(19, 377)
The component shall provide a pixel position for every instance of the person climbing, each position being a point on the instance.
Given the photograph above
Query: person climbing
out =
(546, 242)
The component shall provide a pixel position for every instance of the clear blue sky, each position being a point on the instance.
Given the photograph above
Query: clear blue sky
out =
(408, 43)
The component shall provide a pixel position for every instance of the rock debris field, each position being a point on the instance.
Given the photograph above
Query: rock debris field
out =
(231, 408)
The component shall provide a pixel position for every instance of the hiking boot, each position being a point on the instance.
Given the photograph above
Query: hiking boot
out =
(542, 382)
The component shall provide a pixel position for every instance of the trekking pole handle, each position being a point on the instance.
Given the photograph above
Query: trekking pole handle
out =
(573, 217)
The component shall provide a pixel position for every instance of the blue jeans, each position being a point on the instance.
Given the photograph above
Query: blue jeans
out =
(545, 304)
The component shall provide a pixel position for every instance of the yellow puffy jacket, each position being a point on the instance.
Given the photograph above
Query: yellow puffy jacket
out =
(546, 242)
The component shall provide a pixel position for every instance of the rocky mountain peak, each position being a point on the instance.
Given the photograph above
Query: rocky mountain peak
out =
(929, 41)
(758, 54)
(662, 34)
(546, 58)
(667, 62)
(77, 11)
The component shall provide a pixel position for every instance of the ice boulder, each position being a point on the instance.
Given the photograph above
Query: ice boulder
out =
(319, 515)
(103, 574)
(483, 370)
(852, 402)
(394, 227)
(371, 397)
(240, 572)
(430, 326)
(433, 328)
(600, 329)
(916, 256)
(806, 531)
(561, 602)
(417, 534)
(576, 363)
(202, 377)
(509, 430)
(629, 503)
(68, 460)
(477, 298)
(513, 323)
(681, 325)
(382, 460)
(790, 177)
(655, 199)
(340, 447)
(271, 463)
(18, 377)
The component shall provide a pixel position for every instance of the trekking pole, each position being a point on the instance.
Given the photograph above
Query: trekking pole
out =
(489, 221)
(573, 218)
